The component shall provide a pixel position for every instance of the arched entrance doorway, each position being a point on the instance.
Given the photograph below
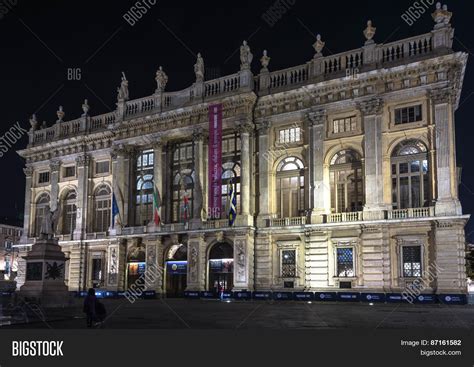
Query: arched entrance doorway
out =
(176, 266)
(221, 267)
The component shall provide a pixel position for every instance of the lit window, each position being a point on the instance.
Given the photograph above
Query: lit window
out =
(291, 135)
(290, 188)
(102, 206)
(345, 262)
(411, 261)
(408, 114)
(346, 124)
(144, 188)
(288, 263)
(410, 186)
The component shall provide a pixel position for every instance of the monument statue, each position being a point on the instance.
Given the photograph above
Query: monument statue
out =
(49, 223)
(161, 80)
(122, 91)
(246, 56)
(199, 68)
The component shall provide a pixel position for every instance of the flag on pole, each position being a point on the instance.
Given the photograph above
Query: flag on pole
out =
(156, 206)
(185, 207)
(232, 203)
(115, 209)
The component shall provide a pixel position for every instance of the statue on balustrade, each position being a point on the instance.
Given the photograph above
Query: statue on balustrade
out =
(246, 56)
(122, 92)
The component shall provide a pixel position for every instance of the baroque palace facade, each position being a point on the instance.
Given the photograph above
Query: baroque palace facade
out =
(344, 170)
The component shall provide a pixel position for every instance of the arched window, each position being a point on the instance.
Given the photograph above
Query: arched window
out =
(144, 188)
(290, 188)
(410, 188)
(102, 205)
(345, 175)
(230, 175)
(69, 211)
(42, 204)
(183, 189)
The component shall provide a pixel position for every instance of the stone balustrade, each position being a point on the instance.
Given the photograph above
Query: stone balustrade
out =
(371, 56)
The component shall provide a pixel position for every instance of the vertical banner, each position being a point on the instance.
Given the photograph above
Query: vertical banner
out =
(215, 161)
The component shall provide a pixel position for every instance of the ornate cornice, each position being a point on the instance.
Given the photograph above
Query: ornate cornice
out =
(317, 117)
(28, 171)
(54, 166)
(82, 160)
(373, 106)
(441, 95)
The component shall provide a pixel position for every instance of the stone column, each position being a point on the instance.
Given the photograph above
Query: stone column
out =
(120, 181)
(449, 267)
(245, 172)
(372, 122)
(54, 167)
(158, 172)
(82, 167)
(263, 261)
(264, 164)
(196, 277)
(447, 202)
(243, 261)
(28, 215)
(319, 189)
(154, 266)
(198, 138)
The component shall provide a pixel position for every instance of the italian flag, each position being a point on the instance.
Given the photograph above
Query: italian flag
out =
(156, 206)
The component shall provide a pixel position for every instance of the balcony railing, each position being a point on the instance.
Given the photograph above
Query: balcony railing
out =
(411, 213)
(344, 217)
(287, 222)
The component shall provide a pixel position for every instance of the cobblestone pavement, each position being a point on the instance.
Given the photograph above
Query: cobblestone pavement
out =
(213, 314)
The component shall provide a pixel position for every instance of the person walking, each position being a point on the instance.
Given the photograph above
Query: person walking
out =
(90, 307)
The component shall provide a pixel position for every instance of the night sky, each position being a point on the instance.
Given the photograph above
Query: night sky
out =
(41, 40)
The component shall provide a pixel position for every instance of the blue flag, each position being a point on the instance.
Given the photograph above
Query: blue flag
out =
(232, 204)
(115, 209)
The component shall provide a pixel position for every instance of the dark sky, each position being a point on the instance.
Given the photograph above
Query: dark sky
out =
(41, 40)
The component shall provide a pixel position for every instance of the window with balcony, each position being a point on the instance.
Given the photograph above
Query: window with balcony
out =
(144, 188)
(289, 135)
(345, 173)
(411, 261)
(290, 188)
(407, 115)
(69, 209)
(41, 208)
(102, 207)
(410, 174)
(343, 125)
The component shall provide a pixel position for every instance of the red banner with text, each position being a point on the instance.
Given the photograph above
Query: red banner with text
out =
(215, 161)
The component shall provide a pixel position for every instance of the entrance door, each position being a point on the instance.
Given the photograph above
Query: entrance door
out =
(176, 267)
(176, 278)
(221, 267)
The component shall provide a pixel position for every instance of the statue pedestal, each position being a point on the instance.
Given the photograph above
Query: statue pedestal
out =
(44, 281)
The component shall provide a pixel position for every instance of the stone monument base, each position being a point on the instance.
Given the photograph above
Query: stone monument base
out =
(44, 282)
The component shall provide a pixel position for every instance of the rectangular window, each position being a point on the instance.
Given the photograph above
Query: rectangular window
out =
(69, 171)
(291, 135)
(102, 167)
(344, 125)
(288, 263)
(406, 115)
(345, 262)
(43, 177)
(411, 256)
